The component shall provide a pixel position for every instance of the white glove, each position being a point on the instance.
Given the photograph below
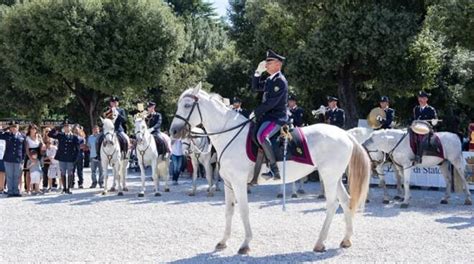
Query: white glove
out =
(150, 130)
(261, 68)
(379, 118)
(434, 122)
(252, 115)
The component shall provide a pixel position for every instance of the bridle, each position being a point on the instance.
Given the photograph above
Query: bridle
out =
(389, 154)
(142, 151)
(105, 143)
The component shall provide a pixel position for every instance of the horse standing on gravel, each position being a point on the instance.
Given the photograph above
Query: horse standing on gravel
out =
(228, 133)
(150, 152)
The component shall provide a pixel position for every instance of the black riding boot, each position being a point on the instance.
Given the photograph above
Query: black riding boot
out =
(419, 152)
(274, 171)
(70, 179)
(258, 166)
(63, 179)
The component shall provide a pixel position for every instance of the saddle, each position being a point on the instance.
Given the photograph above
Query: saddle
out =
(430, 144)
(297, 148)
(161, 144)
(123, 142)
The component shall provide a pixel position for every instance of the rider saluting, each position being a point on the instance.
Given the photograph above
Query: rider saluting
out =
(271, 114)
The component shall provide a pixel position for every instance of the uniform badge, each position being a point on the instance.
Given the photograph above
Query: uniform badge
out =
(299, 150)
(276, 89)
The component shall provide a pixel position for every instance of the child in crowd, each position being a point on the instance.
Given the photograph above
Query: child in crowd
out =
(34, 166)
(53, 170)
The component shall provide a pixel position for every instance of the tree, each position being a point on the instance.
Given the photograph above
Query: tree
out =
(92, 49)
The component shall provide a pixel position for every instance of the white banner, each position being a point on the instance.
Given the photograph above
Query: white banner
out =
(2, 148)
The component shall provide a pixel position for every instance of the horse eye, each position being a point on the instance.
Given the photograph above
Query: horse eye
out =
(187, 105)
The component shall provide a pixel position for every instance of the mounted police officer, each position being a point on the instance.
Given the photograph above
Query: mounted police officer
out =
(295, 112)
(67, 153)
(427, 113)
(334, 115)
(13, 157)
(423, 111)
(389, 113)
(153, 121)
(120, 124)
(271, 114)
(237, 107)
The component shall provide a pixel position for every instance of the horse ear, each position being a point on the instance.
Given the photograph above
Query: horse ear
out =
(197, 88)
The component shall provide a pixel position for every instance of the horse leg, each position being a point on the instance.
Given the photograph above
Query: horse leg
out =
(164, 172)
(344, 198)
(208, 171)
(330, 188)
(399, 175)
(383, 185)
(406, 186)
(118, 176)
(444, 168)
(215, 175)
(195, 164)
(105, 172)
(229, 212)
(322, 191)
(458, 166)
(124, 174)
(240, 192)
(156, 177)
(301, 186)
(293, 190)
(142, 176)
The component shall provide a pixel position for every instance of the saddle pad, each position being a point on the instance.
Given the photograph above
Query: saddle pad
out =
(431, 145)
(297, 149)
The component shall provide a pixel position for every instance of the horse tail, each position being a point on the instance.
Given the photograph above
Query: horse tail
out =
(358, 175)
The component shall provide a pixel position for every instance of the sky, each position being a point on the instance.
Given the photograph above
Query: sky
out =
(220, 6)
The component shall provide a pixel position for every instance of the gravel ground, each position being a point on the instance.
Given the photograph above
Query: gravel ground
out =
(88, 227)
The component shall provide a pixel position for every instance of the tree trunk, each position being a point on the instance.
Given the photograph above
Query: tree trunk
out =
(89, 99)
(347, 93)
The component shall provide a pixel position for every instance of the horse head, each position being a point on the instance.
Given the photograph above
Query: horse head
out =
(140, 129)
(188, 114)
(109, 131)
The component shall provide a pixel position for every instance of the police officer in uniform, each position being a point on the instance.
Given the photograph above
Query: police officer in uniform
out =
(153, 120)
(271, 114)
(13, 157)
(67, 153)
(295, 112)
(334, 115)
(237, 107)
(426, 112)
(389, 113)
(423, 111)
(120, 124)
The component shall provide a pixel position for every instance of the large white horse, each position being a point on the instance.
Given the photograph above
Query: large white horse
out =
(148, 154)
(396, 143)
(110, 155)
(200, 150)
(228, 133)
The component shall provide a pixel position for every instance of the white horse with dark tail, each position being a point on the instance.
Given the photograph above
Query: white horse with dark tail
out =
(199, 148)
(396, 143)
(149, 154)
(228, 133)
(111, 155)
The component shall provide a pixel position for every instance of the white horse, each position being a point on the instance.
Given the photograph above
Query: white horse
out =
(110, 155)
(228, 132)
(199, 149)
(396, 143)
(147, 154)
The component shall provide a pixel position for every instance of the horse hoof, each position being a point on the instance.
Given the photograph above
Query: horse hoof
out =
(367, 201)
(321, 196)
(294, 195)
(220, 246)
(386, 201)
(444, 201)
(404, 205)
(319, 248)
(120, 194)
(346, 243)
(244, 251)
(301, 192)
(397, 198)
(210, 195)
(157, 194)
(112, 189)
(468, 202)
(192, 194)
(104, 193)
(279, 195)
(125, 189)
(218, 189)
(141, 195)
(167, 190)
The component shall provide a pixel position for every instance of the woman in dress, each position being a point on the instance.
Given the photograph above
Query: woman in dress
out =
(33, 143)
